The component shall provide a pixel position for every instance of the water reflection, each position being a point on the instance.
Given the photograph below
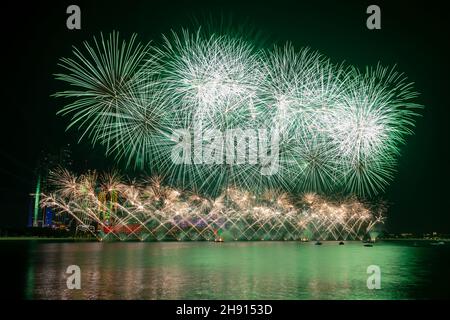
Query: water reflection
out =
(238, 270)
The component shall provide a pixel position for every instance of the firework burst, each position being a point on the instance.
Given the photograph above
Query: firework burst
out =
(110, 208)
(337, 128)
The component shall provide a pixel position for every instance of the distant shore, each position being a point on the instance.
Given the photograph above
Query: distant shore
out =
(46, 238)
(414, 239)
(95, 240)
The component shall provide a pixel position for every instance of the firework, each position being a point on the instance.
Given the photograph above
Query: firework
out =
(114, 106)
(332, 128)
(110, 208)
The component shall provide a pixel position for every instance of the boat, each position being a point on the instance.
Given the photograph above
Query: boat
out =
(341, 243)
(368, 245)
(219, 239)
(440, 243)
(318, 243)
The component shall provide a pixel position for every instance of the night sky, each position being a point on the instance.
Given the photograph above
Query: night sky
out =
(415, 37)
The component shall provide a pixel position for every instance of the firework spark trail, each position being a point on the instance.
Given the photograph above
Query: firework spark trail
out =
(141, 211)
(340, 129)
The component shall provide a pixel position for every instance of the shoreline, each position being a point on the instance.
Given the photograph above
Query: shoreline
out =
(95, 240)
(44, 239)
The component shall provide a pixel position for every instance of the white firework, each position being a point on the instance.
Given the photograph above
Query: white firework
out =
(337, 128)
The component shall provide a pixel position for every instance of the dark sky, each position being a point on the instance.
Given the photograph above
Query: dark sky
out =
(415, 37)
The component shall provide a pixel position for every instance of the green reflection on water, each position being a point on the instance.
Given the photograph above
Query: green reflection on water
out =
(233, 270)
